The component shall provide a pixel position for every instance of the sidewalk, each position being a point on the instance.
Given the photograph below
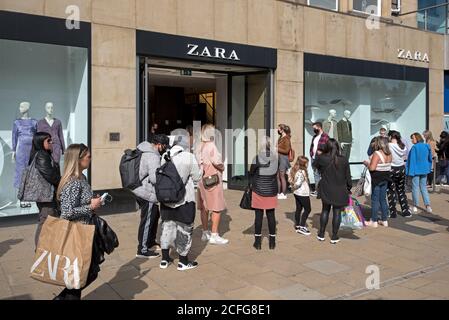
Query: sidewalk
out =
(412, 256)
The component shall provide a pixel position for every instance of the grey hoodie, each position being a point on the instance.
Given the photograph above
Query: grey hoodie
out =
(149, 163)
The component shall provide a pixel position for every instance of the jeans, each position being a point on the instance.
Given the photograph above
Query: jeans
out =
(317, 177)
(419, 184)
(379, 201)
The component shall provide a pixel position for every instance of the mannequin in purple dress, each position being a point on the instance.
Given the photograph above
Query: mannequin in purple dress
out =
(53, 126)
(23, 131)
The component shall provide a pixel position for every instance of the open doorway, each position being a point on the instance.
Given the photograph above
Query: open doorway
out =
(175, 93)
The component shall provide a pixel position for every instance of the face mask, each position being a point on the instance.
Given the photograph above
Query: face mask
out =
(317, 131)
(279, 133)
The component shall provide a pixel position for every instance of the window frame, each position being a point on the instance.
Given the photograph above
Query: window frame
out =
(337, 3)
(379, 8)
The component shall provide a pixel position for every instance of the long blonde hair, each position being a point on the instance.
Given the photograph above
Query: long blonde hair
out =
(300, 164)
(72, 157)
(207, 132)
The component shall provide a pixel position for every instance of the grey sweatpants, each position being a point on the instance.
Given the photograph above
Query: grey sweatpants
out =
(177, 235)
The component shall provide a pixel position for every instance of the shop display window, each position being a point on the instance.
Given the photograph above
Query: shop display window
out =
(43, 87)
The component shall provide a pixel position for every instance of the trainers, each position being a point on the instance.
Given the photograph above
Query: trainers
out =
(314, 194)
(335, 239)
(147, 255)
(407, 214)
(429, 209)
(216, 239)
(164, 264)
(155, 247)
(282, 196)
(372, 224)
(383, 223)
(188, 266)
(414, 209)
(206, 236)
(393, 215)
(304, 231)
(320, 237)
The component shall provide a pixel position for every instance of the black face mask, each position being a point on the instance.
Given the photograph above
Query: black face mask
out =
(317, 131)
(279, 133)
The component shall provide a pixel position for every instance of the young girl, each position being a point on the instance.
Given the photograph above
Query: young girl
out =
(299, 181)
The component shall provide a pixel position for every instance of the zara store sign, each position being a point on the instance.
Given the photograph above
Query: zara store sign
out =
(214, 52)
(413, 55)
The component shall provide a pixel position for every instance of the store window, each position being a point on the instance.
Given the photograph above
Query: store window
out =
(42, 88)
(368, 6)
(326, 4)
(354, 108)
(431, 16)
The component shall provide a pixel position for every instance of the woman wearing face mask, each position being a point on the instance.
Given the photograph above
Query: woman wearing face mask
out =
(284, 146)
(49, 170)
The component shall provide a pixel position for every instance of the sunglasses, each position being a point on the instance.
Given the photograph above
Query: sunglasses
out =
(83, 150)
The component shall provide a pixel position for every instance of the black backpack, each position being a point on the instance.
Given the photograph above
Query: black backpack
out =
(169, 186)
(129, 169)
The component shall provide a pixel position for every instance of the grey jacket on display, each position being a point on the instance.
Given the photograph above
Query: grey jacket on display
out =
(149, 163)
(330, 127)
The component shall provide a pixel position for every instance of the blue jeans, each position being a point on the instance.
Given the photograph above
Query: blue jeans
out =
(419, 183)
(379, 201)
(317, 177)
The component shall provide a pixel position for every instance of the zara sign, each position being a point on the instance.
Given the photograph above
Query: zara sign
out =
(415, 56)
(206, 52)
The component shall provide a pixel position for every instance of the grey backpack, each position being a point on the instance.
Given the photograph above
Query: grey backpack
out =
(33, 186)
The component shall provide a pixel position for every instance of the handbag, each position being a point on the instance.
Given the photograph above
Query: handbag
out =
(211, 181)
(33, 186)
(363, 186)
(245, 203)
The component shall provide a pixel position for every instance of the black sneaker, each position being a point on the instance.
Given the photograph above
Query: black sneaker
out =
(320, 237)
(147, 255)
(188, 266)
(164, 264)
(393, 215)
(407, 214)
(304, 231)
(335, 239)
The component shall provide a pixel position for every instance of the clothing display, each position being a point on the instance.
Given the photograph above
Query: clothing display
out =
(330, 127)
(22, 140)
(57, 136)
(344, 129)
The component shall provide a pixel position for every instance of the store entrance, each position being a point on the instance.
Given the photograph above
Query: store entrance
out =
(175, 93)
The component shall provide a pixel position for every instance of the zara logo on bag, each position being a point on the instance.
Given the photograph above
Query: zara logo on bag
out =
(71, 272)
(217, 53)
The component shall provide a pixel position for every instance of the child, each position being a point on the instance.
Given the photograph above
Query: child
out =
(299, 181)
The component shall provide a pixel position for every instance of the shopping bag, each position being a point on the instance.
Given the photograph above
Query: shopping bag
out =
(367, 185)
(63, 253)
(349, 218)
(245, 203)
(358, 210)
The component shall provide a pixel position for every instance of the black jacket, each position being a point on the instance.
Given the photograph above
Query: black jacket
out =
(48, 168)
(335, 183)
(263, 175)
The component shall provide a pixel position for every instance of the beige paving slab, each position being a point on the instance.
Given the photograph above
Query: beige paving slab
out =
(400, 293)
(327, 267)
(251, 293)
(437, 289)
(298, 292)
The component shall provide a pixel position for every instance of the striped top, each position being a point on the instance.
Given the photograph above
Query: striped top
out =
(382, 166)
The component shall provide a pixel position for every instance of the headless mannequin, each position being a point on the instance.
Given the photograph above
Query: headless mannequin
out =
(24, 109)
(330, 126)
(49, 108)
(345, 134)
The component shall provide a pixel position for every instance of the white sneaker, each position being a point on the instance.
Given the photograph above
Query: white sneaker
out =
(282, 196)
(372, 224)
(429, 209)
(206, 236)
(414, 209)
(383, 223)
(216, 239)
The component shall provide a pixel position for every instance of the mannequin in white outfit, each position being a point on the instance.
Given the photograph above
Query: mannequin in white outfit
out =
(330, 125)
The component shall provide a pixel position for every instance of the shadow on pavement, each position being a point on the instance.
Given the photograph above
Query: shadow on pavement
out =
(134, 284)
(6, 245)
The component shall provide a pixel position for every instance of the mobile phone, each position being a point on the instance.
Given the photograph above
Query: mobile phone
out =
(103, 197)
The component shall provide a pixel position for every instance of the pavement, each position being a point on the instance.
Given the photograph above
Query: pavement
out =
(411, 257)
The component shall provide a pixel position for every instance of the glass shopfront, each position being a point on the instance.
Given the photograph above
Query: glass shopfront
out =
(353, 108)
(43, 87)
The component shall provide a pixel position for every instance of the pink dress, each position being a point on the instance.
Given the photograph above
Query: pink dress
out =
(209, 158)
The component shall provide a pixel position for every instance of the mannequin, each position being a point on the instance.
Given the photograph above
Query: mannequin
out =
(344, 128)
(330, 125)
(23, 131)
(53, 126)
